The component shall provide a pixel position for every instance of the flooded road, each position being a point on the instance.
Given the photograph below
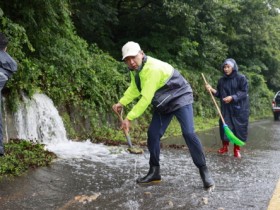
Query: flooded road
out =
(90, 176)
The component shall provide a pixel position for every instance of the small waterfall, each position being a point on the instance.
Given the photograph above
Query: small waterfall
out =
(37, 119)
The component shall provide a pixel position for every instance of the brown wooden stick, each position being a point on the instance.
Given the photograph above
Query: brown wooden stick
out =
(219, 111)
(127, 136)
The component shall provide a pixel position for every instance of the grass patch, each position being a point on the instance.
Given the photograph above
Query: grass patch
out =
(21, 155)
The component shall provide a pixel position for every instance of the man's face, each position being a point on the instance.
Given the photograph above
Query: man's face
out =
(133, 62)
(228, 69)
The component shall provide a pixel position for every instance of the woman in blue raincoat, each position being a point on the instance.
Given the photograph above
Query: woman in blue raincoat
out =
(232, 90)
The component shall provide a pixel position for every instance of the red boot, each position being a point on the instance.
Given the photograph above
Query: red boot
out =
(236, 151)
(224, 149)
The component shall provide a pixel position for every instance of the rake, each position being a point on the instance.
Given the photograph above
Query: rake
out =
(131, 149)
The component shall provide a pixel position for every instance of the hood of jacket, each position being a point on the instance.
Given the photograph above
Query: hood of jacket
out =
(235, 68)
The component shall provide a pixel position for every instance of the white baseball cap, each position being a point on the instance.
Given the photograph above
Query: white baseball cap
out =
(130, 49)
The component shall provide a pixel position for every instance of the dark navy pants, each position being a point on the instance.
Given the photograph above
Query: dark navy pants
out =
(160, 123)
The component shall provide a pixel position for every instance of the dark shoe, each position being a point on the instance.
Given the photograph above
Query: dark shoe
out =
(206, 177)
(2, 155)
(152, 176)
(224, 149)
(236, 151)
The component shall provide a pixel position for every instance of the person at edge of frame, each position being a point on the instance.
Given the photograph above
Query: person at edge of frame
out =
(8, 66)
(159, 84)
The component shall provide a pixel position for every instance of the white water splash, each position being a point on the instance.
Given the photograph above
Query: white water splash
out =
(85, 150)
(79, 150)
(37, 119)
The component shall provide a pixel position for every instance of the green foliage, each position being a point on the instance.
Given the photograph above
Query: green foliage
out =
(18, 45)
(259, 95)
(58, 62)
(70, 50)
(95, 21)
(22, 155)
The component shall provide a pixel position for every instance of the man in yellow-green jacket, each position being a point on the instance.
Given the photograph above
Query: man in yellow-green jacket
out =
(159, 84)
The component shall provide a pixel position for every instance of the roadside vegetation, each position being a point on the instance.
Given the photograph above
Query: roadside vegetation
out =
(22, 155)
(71, 51)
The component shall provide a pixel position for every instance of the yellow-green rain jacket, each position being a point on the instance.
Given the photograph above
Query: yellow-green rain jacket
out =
(161, 85)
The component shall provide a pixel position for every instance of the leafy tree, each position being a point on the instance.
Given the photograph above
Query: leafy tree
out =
(252, 34)
(96, 21)
(70, 50)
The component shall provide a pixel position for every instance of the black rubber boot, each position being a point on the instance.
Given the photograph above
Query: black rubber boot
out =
(206, 177)
(152, 176)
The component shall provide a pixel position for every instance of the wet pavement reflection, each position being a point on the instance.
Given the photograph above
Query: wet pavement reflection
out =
(106, 180)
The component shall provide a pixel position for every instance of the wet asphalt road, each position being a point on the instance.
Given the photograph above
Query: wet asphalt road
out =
(107, 180)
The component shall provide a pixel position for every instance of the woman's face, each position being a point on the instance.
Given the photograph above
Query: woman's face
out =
(228, 69)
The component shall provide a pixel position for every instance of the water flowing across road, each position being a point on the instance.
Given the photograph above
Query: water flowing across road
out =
(95, 176)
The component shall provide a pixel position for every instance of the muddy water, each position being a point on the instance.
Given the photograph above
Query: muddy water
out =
(88, 176)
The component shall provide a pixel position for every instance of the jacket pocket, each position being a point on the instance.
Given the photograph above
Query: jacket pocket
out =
(161, 101)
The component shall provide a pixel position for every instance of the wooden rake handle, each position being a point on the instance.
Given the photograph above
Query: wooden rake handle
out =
(218, 109)
(121, 119)
(127, 136)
